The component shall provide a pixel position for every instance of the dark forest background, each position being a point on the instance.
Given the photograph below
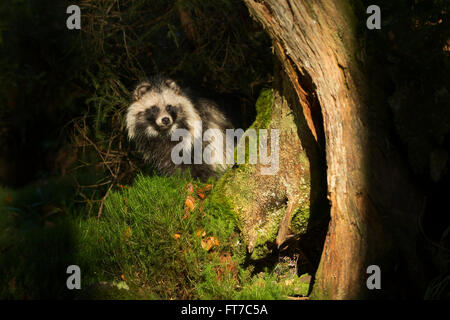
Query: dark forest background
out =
(61, 86)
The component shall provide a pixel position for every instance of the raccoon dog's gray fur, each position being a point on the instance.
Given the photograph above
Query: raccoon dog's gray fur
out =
(159, 107)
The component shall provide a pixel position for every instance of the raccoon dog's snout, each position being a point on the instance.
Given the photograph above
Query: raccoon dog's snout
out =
(166, 121)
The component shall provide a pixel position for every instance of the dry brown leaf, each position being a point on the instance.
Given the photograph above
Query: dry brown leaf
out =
(190, 203)
(227, 265)
(127, 234)
(205, 188)
(201, 195)
(209, 242)
(190, 188)
(207, 245)
(201, 233)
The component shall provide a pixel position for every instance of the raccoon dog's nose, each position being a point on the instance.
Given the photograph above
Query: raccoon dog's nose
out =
(165, 121)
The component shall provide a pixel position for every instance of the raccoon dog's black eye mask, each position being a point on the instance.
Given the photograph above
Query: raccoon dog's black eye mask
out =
(173, 111)
(150, 114)
(154, 110)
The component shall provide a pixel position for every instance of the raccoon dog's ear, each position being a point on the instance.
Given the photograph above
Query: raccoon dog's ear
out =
(140, 90)
(172, 85)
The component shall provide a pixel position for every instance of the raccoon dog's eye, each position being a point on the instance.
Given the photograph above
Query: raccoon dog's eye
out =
(154, 109)
(170, 108)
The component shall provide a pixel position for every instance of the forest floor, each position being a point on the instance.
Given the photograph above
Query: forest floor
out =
(160, 238)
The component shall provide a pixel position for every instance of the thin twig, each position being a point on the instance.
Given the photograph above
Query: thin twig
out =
(102, 202)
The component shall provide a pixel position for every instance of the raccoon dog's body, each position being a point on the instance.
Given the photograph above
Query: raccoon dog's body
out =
(160, 107)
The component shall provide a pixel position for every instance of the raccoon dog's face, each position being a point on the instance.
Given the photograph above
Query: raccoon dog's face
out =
(161, 117)
(157, 108)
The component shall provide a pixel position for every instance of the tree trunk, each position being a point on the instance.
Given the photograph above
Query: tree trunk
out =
(268, 203)
(374, 205)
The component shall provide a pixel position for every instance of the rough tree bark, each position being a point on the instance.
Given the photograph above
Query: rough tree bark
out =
(374, 205)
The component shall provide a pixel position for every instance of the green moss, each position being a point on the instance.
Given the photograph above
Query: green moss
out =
(300, 285)
(237, 182)
(267, 234)
(300, 220)
(263, 286)
(263, 109)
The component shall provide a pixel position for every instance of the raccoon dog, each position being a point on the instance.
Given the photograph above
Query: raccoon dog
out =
(160, 107)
